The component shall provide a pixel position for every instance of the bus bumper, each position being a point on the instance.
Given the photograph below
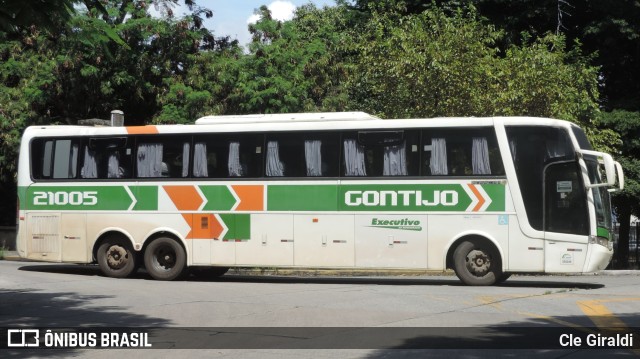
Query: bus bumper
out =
(599, 258)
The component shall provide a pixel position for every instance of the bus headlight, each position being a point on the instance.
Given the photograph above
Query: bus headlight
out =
(605, 242)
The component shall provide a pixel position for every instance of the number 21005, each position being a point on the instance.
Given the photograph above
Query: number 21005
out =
(86, 198)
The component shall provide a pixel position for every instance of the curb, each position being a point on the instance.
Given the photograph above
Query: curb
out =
(11, 256)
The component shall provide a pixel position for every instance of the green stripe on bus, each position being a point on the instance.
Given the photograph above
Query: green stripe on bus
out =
(219, 198)
(302, 197)
(603, 232)
(497, 194)
(146, 198)
(239, 225)
(450, 197)
(382, 197)
(78, 198)
(409, 197)
(22, 197)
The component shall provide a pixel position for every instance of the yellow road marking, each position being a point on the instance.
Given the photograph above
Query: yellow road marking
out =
(601, 316)
(558, 321)
(604, 319)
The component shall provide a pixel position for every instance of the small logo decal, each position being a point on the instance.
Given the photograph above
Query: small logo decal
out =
(405, 224)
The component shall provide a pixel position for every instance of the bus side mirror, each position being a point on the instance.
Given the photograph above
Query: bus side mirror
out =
(620, 178)
(609, 168)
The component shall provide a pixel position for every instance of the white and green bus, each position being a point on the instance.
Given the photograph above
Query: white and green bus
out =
(487, 197)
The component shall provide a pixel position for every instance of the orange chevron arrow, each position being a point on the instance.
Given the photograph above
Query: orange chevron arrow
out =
(185, 198)
(481, 199)
(251, 197)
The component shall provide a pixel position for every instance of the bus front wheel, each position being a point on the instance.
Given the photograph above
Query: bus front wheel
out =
(477, 263)
(165, 259)
(116, 258)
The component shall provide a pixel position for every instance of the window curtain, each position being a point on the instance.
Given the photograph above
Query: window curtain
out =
(200, 167)
(275, 168)
(313, 157)
(480, 156)
(438, 163)
(113, 168)
(73, 165)
(185, 159)
(395, 161)
(354, 159)
(150, 160)
(235, 169)
(89, 166)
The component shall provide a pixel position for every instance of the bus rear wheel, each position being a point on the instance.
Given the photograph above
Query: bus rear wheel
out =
(165, 259)
(477, 263)
(116, 258)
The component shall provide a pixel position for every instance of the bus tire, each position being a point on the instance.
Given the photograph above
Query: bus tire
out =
(165, 259)
(116, 258)
(477, 263)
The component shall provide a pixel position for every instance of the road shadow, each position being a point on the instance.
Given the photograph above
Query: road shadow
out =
(529, 338)
(422, 280)
(31, 309)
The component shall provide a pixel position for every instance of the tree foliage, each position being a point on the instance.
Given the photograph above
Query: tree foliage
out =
(294, 66)
(392, 58)
(434, 64)
(90, 63)
(627, 125)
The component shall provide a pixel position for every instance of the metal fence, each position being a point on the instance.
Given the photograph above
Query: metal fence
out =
(634, 249)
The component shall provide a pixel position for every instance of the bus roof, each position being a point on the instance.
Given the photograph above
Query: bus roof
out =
(292, 122)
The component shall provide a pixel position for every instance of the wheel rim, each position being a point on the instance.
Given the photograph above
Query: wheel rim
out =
(117, 257)
(478, 262)
(164, 258)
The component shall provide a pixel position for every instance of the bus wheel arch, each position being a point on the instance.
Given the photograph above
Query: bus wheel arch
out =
(115, 255)
(476, 260)
(165, 256)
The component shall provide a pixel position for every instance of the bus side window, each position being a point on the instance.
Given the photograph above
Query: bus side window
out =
(320, 155)
(163, 157)
(381, 153)
(302, 154)
(285, 155)
(222, 156)
(106, 158)
(461, 152)
(55, 158)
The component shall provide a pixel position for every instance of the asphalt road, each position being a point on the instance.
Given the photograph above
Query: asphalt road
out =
(41, 295)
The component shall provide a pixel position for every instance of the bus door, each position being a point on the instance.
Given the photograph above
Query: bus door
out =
(565, 217)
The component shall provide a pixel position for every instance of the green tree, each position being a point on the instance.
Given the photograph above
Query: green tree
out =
(18, 15)
(434, 64)
(627, 124)
(90, 64)
(610, 30)
(294, 66)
